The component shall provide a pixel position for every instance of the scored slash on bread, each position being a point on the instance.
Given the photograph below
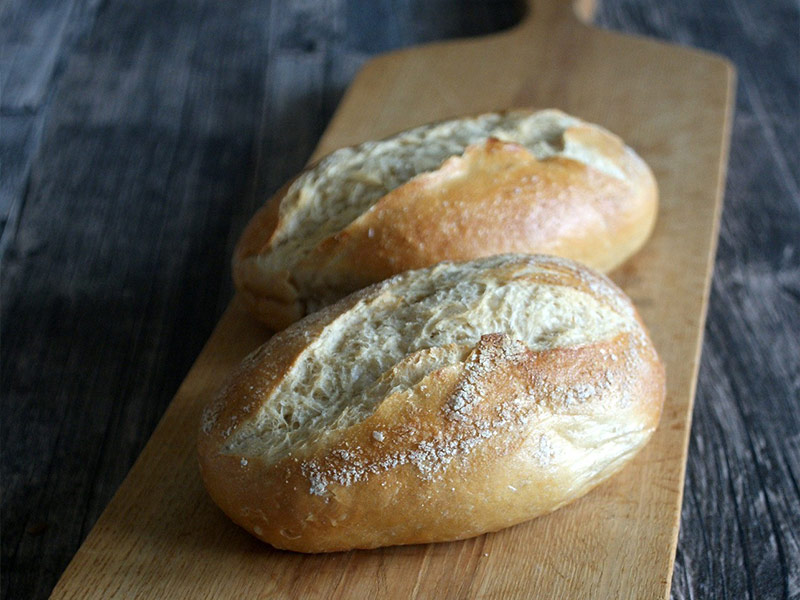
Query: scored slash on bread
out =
(521, 181)
(440, 404)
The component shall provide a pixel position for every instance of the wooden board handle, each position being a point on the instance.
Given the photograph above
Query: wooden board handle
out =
(541, 15)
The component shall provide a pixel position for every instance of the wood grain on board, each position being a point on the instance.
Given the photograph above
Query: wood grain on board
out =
(162, 537)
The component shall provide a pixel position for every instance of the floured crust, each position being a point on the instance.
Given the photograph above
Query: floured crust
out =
(575, 191)
(464, 438)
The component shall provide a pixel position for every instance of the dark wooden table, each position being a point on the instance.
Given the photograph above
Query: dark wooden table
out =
(138, 137)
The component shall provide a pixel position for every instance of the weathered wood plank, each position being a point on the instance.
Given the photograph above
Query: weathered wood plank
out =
(112, 282)
(36, 40)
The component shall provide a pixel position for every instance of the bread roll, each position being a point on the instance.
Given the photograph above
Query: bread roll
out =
(541, 182)
(438, 405)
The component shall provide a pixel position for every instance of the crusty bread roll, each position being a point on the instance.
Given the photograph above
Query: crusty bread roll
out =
(440, 404)
(541, 182)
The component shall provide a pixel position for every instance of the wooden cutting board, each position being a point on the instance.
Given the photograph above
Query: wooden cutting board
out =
(161, 537)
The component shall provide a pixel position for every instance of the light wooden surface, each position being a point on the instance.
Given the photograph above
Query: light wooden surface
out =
(161, 537)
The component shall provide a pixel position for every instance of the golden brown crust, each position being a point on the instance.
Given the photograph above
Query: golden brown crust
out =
(495, 198)
(438, 461)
